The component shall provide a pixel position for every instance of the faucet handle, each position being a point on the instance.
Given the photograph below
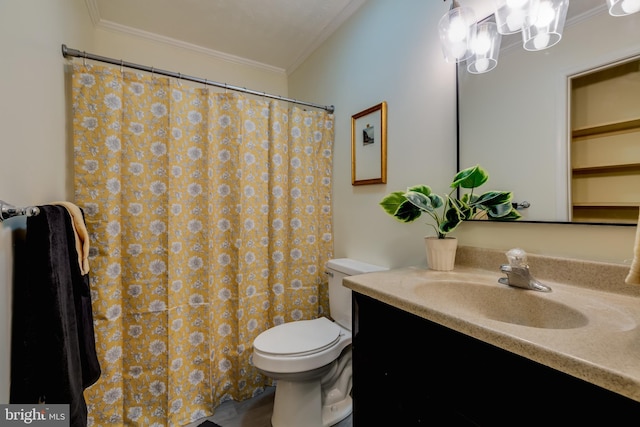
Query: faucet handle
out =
(517, 257)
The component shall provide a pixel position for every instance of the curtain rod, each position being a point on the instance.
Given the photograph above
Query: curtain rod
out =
(68, 52)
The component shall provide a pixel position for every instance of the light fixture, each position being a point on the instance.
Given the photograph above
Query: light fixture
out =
(541, 23)
(456, 28)
(623, 7)
(510, 15)
(485, 46)
(544, 23)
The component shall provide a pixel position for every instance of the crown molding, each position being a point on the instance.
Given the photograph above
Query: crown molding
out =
(327, 31)
(94, 12)
(100, 23)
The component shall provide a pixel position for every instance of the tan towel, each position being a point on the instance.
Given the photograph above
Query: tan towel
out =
(633, 278)
(81, 234)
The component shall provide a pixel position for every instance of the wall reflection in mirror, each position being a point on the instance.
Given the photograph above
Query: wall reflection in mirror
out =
(555, 128)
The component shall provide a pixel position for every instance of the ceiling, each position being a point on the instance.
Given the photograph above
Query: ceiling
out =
(277, 34)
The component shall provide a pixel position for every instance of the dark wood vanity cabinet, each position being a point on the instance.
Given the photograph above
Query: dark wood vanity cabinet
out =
(408, 371)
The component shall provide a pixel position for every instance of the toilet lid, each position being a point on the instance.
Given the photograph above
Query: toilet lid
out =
(298, 338)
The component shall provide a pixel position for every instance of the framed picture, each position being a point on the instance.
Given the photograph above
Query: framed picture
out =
(369, 146)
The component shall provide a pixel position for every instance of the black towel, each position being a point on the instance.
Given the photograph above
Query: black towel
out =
(53, 356)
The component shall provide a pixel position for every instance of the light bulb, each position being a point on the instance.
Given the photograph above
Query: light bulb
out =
(516, 19)
(543, 28)
(457, 30)
(541, 41)
(545, 15)
(630, 6)
(482, 65)
(481, 44)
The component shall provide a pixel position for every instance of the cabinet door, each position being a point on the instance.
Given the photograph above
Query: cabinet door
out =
(399, 371)
(408, 371)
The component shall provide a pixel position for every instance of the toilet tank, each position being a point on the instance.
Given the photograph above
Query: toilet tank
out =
(339, 295)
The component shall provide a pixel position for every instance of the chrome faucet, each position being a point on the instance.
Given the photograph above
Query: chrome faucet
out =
(518, 274)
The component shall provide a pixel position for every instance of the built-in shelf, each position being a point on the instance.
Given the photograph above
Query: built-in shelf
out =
(607, 204)
(608, 128)
(629, 167)
(606, 214)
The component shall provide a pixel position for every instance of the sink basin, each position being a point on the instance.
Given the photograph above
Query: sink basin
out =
(503, 304)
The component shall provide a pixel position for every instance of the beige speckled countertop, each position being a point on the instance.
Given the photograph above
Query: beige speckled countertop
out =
(600, 342)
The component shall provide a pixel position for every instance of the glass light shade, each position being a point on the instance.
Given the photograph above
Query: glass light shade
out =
(456, 28)
(485, 46)
(623, 7)
(544, 23)
(510, 15)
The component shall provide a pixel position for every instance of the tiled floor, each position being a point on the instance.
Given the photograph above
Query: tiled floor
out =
(255, 412)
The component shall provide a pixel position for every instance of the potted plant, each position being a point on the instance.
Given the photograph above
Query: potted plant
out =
(448, 211)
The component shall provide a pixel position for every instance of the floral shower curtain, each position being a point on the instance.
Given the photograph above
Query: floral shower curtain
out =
(210, 221)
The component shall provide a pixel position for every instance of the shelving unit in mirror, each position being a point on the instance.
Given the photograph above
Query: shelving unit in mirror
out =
(605, 147)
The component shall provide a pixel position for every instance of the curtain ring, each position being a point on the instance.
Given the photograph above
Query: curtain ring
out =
(84, 58)
(152, 73)
(122, 66)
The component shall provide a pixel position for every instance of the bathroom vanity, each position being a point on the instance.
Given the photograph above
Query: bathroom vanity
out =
(457, 348)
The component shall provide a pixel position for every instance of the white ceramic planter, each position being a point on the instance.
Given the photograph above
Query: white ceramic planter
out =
(441, 253)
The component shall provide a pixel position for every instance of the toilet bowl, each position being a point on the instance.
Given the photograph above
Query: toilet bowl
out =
(311, 359)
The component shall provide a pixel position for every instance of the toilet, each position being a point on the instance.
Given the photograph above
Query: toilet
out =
(311, 359)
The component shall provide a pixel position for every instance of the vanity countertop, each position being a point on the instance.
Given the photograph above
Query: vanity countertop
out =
(602, 348)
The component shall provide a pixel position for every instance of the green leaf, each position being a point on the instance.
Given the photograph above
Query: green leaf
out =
(407, 212)
(500, 211)
(391, 202)
(511, 216)
(423, 189)
(419, 200)
(452, 218)
(470, 178)
(427, 203)
(436, 201)
(493, 198)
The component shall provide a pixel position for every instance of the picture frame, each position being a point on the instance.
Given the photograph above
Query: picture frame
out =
(369, 146)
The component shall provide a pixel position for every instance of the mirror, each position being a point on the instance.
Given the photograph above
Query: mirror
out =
(515, 119)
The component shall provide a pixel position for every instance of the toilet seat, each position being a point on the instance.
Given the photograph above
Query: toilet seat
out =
(299, 346)
(293, 339)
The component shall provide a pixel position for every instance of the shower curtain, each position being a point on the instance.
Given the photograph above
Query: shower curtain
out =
(210, 221)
